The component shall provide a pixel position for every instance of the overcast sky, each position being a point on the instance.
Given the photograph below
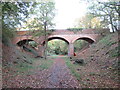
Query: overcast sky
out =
(67, 12)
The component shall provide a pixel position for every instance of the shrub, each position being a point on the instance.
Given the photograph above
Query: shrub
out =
(72, 68)
(115, 52)
(7, 35)
(79, 61)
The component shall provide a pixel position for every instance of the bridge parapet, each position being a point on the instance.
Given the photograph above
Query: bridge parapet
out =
(65, 31)
(65, 34)
(59, 32)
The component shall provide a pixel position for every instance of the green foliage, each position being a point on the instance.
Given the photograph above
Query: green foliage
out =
(30, 49)
(23, 67)
(22, 64)
(7, 34)
(116, 67)
(12, 14)
(79, 44)
(106, 40)
(33, 43)
(12, 11)
(25, 57)
(45, 64)
(72, 68)
(57, 47)
(88, 21)
(115, 52)
(109, 12)
(111, 43)
(41, 33)
(75, 30)
(26, 68)
(44, 12)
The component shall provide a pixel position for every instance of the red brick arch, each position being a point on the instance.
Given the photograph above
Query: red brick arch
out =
(65, 35)
(88, 37)
(20, 38)
(52, 38)
(90, 40)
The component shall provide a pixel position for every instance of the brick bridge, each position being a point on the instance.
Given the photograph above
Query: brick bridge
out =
(68, 36)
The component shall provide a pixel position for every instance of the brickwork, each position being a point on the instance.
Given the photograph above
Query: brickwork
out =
(66, 35)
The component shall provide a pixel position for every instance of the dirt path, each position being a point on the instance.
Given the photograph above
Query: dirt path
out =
(60, 76)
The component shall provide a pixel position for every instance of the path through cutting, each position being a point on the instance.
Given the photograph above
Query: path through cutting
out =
(60, 76)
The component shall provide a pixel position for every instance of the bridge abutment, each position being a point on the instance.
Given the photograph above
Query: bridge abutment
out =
(71, 50)
(41, 49)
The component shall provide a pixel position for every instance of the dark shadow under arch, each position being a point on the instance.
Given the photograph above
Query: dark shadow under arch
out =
(24, 41)
(86, 39)
(51, 38)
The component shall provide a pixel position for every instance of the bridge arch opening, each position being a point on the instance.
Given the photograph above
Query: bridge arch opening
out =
(89, 40)
(28, 45)
(57, 46)
(24, 41)
(53, 38)
(82, 43)
(30, 42)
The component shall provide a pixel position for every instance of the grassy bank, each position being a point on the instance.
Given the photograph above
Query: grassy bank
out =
(72, 68)
(37, 64)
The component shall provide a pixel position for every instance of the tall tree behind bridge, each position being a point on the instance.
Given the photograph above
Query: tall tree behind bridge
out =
(108, 11)
(44, 12)
(88, 21)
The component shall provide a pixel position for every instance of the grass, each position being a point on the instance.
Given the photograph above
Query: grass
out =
(24, 65)
(25, 68)
(115, 52)
(45, 64)
(72, 68)
(106, 40)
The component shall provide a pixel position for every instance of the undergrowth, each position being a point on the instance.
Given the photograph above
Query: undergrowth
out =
(107, 40)
(45, 64)
(72, 68)
(115, 52)
(26, 68)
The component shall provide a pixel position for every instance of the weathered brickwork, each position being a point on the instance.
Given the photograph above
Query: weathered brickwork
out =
(68, 36)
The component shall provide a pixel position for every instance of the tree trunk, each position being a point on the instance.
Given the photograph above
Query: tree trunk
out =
(45, 50)
(111, 22)
(116, 28)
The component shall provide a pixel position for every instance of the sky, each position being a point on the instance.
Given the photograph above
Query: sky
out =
(67, 12)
